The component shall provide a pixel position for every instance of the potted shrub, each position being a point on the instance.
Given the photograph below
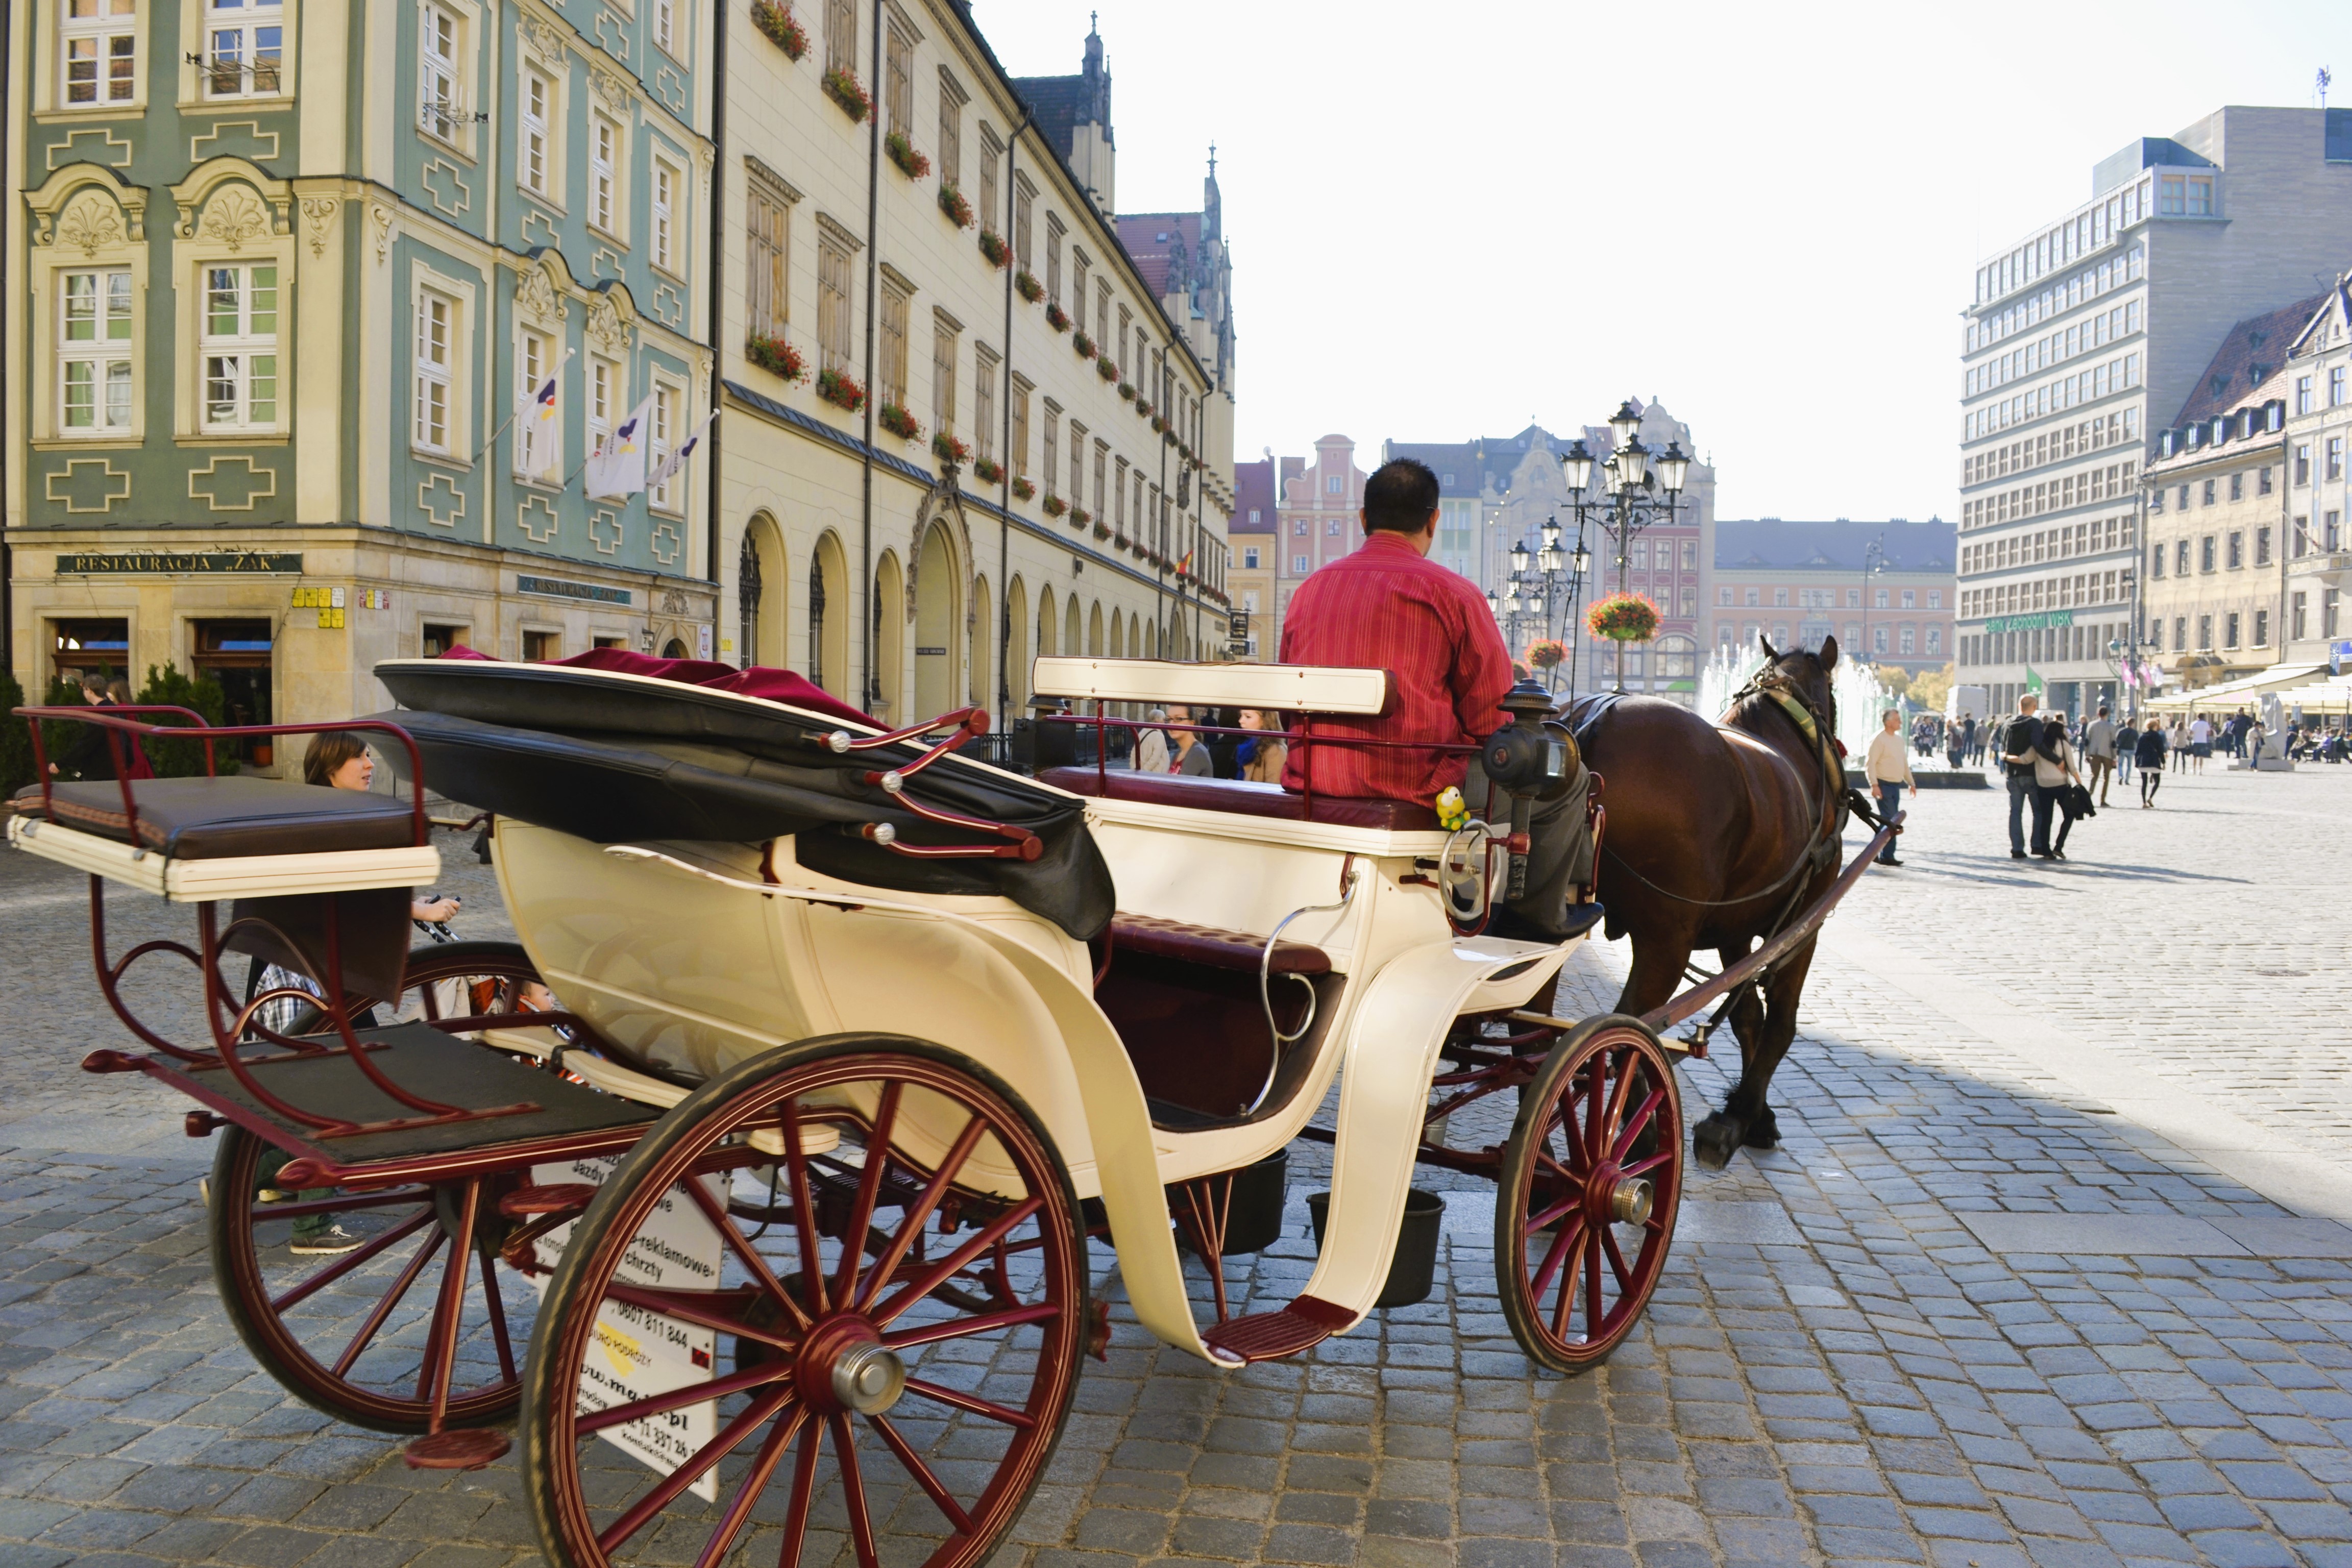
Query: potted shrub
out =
(1054, 505)
(959, 210)
(992, 246)
(989, 471)
(775, 357)
(1058, 318)
(1025, 284)
(781, 30)
(842, 86)
(841, 391)
(894, 417)
(1083, 345)
(1624, 618)
(1022, 490)
(901, 151)
(1108, 371)
(948, 449)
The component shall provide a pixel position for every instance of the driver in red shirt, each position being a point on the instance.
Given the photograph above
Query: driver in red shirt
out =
(1389, 606)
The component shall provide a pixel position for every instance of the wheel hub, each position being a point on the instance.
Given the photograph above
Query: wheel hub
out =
(869, 1378)
(1631, 1199)
(844, 1365)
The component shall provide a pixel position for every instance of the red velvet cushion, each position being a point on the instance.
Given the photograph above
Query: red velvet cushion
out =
(1153, 937)
(1242, 797)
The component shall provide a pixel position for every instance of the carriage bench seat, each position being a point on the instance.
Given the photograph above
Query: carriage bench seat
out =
(199, 839)
(1243, 797)
(1152, 937)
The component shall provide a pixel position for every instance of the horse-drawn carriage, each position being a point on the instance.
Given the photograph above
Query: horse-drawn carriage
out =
(826, 1055)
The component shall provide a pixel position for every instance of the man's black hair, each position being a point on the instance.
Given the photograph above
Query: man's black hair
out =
(1400, 496)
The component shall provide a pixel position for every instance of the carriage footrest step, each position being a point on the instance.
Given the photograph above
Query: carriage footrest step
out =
(1270, 1336)
(469, 1448)
(565, 1197)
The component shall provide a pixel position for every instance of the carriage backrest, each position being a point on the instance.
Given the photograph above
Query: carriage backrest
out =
(1287, 687)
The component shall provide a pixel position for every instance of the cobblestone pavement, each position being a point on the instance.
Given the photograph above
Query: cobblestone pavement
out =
(1836, 1369)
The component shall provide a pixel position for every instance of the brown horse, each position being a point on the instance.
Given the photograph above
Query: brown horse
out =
(1719, 834)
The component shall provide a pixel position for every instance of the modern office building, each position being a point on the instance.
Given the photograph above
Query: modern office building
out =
(1884, 590)
(2082, 337)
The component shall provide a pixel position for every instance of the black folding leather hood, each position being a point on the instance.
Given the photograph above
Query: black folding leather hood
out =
(615, 758)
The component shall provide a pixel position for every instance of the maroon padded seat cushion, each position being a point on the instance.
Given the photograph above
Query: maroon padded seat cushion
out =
(221, 819)
(1243, 798)
(1152, 937)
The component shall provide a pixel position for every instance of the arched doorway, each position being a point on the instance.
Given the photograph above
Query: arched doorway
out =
(939, 623)
(1178, 647)
(829, 611)
(1046, 638)
(1151, 639)
(977, 666)
(1073, 631)
(673, 649)
(1095, 631)
(1118, 634)
(887, 657)
(763, 579)
(1016, 639)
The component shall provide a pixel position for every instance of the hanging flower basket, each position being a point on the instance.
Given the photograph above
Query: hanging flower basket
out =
(1022, 490)
(989, 472)
(839, 390)
(1108, 371)
(1083, 345)
(1624, 618)
(1053, 506)
(1546, 654)
(992, 246)
(842, 86)
(777, 22)
(775, 357)
(895, 418)
(1058, 318)
(1025, 284)
(901, 151)
(959, 210)
(948, 449)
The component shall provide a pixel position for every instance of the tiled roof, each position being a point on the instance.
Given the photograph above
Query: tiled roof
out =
(1252, 487)
(1150, 238)
(2253, 353)
(1771, 543)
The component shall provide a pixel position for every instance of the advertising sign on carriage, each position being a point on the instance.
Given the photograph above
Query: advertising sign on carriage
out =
(640, 1354)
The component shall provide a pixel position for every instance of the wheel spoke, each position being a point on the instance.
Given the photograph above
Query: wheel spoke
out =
(685, 1475)
(939, 1273)
(924, 1479)
(389, 1299)
(741, 1244)
(1563, 1242)
(341, 1204)
(971, 1401)
(678, 1398)
(755, 1480)
(688, 1306)
(498, 1310)
(804, 1212)
(1592, 1285)
(1666, 1157)
(958, 1328)
(349, 1261)
(919, 1213)
(1617, 1265)
(1634, 1125)
(1549, 1217)
(853, 1488)
(869, 1188)
(796, 1515)
(1567, 1301)
(1619, 1089)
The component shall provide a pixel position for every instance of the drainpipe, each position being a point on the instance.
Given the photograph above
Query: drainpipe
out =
(873, 646)
(713, 313)
(8, 553)
(1005, 483)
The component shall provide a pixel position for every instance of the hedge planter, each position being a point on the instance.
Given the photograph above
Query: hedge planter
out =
(841, 391)
(777, 22)
(776, 357)
(843, 87)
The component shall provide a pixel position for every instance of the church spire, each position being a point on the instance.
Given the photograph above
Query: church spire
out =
(1211, 203)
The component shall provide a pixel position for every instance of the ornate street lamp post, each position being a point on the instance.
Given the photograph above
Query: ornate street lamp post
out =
(1873, 563)
(1638, 490)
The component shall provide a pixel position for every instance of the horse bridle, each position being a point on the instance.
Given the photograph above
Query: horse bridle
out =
(1791, 701)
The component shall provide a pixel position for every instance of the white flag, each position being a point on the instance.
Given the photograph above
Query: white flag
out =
(677, 459)
(617, 467)
(537, 422)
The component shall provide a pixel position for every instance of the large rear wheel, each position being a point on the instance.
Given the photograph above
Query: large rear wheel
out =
(891, 1353)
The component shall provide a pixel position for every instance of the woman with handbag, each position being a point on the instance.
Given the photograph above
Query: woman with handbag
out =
(2064, 780)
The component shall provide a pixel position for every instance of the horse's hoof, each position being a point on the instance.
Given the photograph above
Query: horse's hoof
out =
(1715, 1141)
(1764, 1132)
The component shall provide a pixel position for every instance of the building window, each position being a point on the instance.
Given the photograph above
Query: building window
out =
(2262, 483)
(603, 391)
(239, 347)
(436, 321)
(666, 26)
(1332, 527)
(2180, 634)
(537, 447)
(898, 83)
(2179, 558)
(1910, 598)
(2299, 535)
(832, 312)
(1102, 468)
(950, 131)
(1017, 459)
(442, 105)
(893, 342)
(1334, 486)
(2229, 625)
(2205, 633)
(990, 154)
(1299, 565)
(983, 405)
(2330, 603)
(2302, 463)
(1909, 642)
(99, 43)
(95, 349)
(2296, 611)
(669, 495)
(2335, 457)
(1049, 450)
(667, 186)
(2237, 487)
(841, 35)
(1935, 642)
(1077, 462)
(2262, 628)
(538, 148)
(767, 244)
(1024, 204)
(2302, 394)
(1053, 259)
(1878, 600)
(2261, 547)
(2236, 549)
(1249, 556)
(2332, 531)
(1934, 598)
(943, 373)
(2200, 196)
(2205, 554)
(2205, 494)
(603, 174)
(245, 42)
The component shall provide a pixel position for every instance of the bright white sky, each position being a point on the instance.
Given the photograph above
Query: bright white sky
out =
(1448, 222)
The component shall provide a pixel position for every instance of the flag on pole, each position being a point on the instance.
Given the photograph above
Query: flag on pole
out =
(2032, 681)
(677, 459)
(617, 467)
(538, 420)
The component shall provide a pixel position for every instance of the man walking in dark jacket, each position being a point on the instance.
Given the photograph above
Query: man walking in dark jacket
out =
(2020, 740)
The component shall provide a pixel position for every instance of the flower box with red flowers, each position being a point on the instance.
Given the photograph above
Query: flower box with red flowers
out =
(1142, 409)
(1025, 284)
(1102, 530)
(1106, 369)
(1624, 618)
(775, 357)
(989, 472)
(842, 86)
(1053, 506)
(992, 246)
(948, 449)
(1080, 517)
(781, 30)
(1168, 438)
(1058, 318)
(1158, 423)
(841, 391)
(901, 151)
(1022, 490)
(1127, 392)
(1083, 345)
(959, 210)
(895, 418)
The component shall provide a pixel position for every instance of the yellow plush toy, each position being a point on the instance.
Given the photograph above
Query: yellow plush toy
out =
(1453, 811)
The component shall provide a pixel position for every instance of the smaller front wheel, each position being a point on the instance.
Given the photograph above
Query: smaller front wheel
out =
(1591, 1184)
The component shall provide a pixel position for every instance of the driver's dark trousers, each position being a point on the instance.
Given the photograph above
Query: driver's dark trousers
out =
(1557, 858)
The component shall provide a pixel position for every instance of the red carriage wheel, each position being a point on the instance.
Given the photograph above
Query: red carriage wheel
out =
(349, 1332)
(1590, 1182)
(910, 1388)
